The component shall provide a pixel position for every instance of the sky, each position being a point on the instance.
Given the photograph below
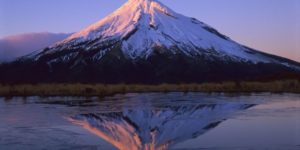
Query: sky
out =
(272, 26)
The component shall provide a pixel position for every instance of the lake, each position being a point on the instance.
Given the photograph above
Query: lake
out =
(152, 121)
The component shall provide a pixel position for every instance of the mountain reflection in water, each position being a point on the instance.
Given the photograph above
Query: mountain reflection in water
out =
(150, 127)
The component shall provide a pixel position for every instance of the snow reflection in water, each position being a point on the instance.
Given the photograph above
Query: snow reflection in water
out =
(151, 128)
(152, 121)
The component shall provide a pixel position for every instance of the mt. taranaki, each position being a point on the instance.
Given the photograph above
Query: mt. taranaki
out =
(146, 42)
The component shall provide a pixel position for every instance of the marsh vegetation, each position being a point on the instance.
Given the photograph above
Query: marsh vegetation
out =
(79, 89)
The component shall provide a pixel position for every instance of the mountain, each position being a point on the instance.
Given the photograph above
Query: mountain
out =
(12, 47)
(149, 128)
(146, 42)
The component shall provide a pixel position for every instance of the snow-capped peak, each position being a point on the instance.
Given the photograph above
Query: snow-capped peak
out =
(122, 21)
(140, 27)
(146, 42)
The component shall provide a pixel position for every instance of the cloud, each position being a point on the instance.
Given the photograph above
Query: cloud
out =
(15, 46)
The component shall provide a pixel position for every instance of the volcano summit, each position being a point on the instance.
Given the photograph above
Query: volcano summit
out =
(146, 42)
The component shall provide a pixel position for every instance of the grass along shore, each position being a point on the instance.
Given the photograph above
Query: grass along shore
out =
(289, 86)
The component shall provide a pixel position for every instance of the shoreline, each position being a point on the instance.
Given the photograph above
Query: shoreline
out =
(103, 90)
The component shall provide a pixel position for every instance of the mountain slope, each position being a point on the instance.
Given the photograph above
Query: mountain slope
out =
(146, 42)
(141, 25)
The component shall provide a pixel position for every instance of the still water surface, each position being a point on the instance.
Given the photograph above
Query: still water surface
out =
(152, 121)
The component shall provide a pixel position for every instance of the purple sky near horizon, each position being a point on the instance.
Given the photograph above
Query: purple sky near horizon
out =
(272, 26)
